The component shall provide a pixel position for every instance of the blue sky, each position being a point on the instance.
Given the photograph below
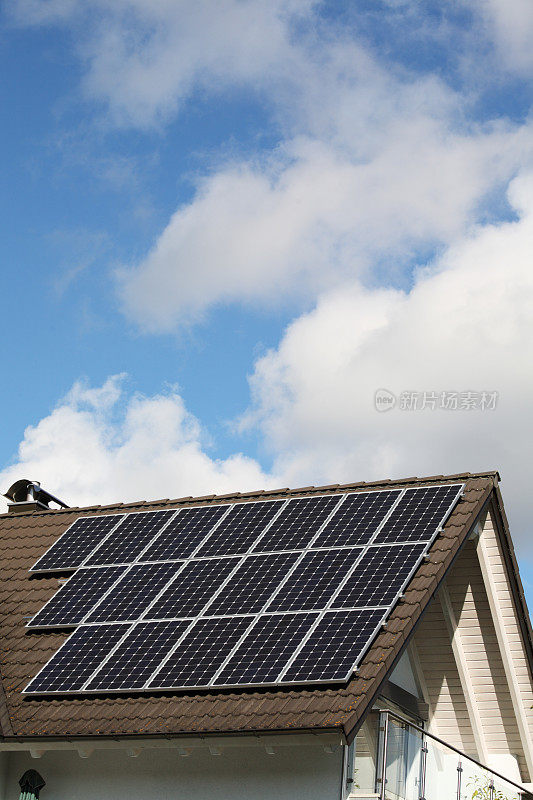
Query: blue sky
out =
(226, 225)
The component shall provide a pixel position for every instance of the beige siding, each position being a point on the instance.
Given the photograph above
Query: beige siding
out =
(449, 716)
(448, 712)
(512, 627)
(482, 655)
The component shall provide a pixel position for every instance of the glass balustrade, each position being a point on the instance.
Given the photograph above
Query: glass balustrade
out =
(395, 760)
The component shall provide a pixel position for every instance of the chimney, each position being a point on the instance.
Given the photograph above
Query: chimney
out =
(27, 496)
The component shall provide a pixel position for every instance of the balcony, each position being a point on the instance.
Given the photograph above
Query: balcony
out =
(396, 760)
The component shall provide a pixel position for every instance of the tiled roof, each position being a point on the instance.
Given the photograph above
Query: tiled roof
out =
(24, 537)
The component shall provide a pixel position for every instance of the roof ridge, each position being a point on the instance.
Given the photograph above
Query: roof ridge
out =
(264, 493)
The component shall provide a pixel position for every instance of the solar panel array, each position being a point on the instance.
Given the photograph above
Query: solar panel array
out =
(269, 592)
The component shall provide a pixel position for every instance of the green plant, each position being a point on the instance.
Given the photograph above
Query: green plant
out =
(484, 789)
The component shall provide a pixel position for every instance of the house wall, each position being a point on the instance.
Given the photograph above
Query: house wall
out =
(509, 613)
(292, 772)
(494, 717)
(482, 654)
(3, 775)
(448, 713)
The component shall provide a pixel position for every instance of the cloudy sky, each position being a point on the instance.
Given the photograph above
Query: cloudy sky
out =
(228, 223)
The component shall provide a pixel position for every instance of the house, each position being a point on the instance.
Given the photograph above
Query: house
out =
(439, 707)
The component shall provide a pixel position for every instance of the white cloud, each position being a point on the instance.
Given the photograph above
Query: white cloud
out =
(374, 162)
(315, 216)
(510, 26)
(102, 445)
(145, 57)
(465, 325)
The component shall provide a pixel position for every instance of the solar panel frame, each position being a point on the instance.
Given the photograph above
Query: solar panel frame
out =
(209, 567)
(412, 492)
(391, 605)
(181, 626)
(255, 617)
(282, 504)
(170, 512)
(64, 589)
(289, 597)
(267, 640)
(205, 622)
(129, 598)
(145, 555)
(300, 541)
(35, 569)
(375, 621)
(331, 534)
(371, 556)
(289, 573)
(240, 582)
(56, 658)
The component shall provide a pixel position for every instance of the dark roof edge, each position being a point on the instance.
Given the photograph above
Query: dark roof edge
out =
(265, 493)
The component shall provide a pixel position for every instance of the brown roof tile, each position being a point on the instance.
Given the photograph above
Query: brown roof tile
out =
(24, 538)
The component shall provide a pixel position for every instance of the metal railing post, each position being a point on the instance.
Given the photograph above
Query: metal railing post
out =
(423, 760)
(459, 778)
(381, 771)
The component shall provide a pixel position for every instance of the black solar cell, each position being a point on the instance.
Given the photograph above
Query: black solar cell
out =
(379, 576)
(250, 587)
(314, 580)
(266, 649)
(76, 598)
(357, 519)
(192, 589)
(141, 652)
(183, 535)
(128, 600)
(76, 660)
(297, 524)
(239, 530)
(200, 653)
(73, 547)
(130, 538)
(334, 647)
(418, 514)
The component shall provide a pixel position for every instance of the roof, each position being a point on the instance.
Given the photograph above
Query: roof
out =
(24, 537)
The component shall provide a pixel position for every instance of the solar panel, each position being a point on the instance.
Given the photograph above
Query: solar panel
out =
(183, 534)
(136, 658)
(239, 530)
(380, 575)
(250, 587)
(334, 647)
(297, 524)
(265, 649)
(201, 653)
(131, 595)
(417, 515)
(130, 538)
(262, 592)
(76, 659)
(76, 597)
(73, 546)
(357, 519)
(193, 588)
(314, 580)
